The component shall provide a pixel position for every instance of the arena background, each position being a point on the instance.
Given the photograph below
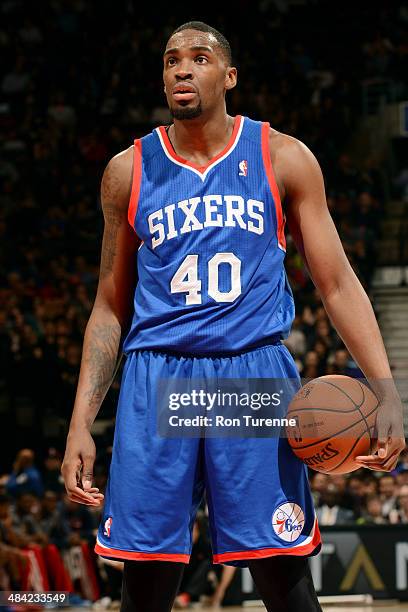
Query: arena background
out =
(79, 81)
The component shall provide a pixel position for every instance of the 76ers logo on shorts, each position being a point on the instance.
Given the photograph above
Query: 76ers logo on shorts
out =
(107, 527)
(288, 521)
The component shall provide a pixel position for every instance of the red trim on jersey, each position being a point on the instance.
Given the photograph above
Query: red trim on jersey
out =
(139, 556)
(273, 185)
(136, 181)
(304, 549)
(181, 160)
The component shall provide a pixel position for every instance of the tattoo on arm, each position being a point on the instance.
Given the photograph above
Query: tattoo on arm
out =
(111, 195)
(101, 356)
(113, 219)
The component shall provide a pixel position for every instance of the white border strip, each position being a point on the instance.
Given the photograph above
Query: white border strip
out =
(202, 175)
(101, 545)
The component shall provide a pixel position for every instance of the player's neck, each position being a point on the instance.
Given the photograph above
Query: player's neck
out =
(199, 140)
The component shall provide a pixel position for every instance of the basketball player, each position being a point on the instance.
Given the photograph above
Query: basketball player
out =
(201, 204)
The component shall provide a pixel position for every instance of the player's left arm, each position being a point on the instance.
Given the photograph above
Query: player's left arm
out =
(301, 184)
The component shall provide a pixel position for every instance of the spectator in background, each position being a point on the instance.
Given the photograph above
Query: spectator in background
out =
(357, 491)
(12, 559)
(308, 320)
(400, 514)
(367, 213)
(80, 521)
(323, 333)
(15, 82)
(296, 342)
(51, 475)
(318, 485)
(372, 512)
(321, 350)
(401, 478)
(329, 511)
(52, 522)
(8, 533)
(403, 461)
(3, 481)
(312, 367)
(370, 485)
(340, 362)
(26, 514)
(25, 477)
(345, 499)
(388, 493)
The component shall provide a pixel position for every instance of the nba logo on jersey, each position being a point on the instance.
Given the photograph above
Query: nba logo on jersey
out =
(107, 527)
(243, 168)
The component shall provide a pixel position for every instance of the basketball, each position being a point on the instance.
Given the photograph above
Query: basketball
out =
(335, 422)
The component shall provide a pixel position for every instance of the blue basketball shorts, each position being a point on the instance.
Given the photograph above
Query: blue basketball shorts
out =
(257, 490)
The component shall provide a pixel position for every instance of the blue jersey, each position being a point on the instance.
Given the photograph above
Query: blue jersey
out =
(211, 262)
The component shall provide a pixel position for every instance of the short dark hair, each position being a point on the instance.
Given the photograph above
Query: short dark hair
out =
(204, 27)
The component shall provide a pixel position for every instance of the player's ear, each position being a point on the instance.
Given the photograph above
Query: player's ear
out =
(230, 78)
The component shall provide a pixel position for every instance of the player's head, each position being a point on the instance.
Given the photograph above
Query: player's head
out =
(197, 61)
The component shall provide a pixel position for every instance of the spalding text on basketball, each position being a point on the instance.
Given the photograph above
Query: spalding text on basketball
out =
(324, 454)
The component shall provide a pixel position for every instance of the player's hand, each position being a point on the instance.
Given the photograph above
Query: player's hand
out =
(390, 438)
(77, 468)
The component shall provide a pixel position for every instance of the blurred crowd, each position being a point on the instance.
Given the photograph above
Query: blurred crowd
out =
(362, 497)
(44, 534)
(78, 82)
(46, 541)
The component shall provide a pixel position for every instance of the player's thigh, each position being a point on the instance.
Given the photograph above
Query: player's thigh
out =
(257, 489)
(154, 483)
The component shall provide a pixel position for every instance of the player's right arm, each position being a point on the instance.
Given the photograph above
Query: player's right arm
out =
(109, 319)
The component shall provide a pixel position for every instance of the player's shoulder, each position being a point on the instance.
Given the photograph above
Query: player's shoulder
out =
(122, 161)
(292, 160)
(117, 178)
(282, 145)
(121, 164)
